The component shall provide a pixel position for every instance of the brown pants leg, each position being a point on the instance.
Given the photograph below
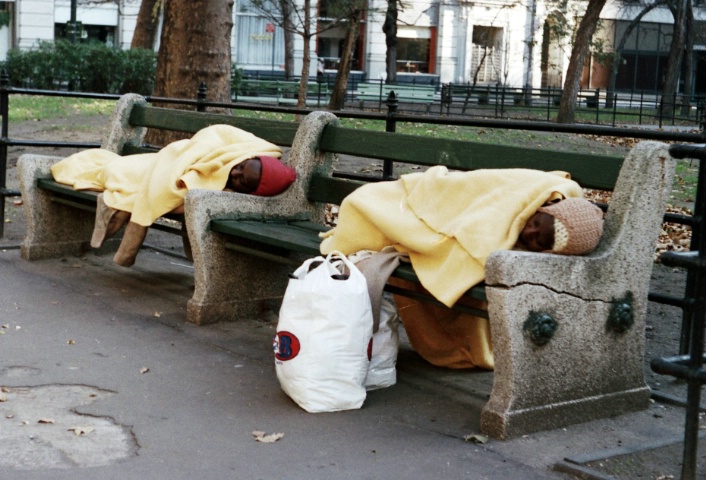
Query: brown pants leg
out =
(444, 337)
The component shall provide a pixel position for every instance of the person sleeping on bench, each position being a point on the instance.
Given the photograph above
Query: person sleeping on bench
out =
(138, 189)
(448, 223)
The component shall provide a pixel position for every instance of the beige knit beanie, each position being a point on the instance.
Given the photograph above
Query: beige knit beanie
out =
(578, 225)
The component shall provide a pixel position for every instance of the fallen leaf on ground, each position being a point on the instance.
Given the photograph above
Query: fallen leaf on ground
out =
(264, 438)
(3, 397)
(476, 438)
(157, 314)
(17, 203)
(144, 370)
(71, 342)
(46, 420)
(81, 430)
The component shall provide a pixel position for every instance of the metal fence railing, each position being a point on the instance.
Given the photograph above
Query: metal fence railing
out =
(593, 106)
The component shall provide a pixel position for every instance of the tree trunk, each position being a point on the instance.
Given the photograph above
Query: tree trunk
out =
(146, 28)
(306, 59)
(288, 27)
(194, 49)
(587, 27)
(617, 54)
(688, 62)
(338, 96)
(676, 54)
(389, 28)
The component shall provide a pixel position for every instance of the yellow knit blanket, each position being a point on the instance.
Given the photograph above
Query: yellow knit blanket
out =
(448, 222)
(152, 184)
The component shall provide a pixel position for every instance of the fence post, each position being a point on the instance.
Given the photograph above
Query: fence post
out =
(390, 126)
(549, 103)
(380, 96)
(446, 98)
(4, 108)
(201, 97)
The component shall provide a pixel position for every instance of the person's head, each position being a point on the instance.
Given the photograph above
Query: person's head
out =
(263, 176)
(572, 226)
(245, 176)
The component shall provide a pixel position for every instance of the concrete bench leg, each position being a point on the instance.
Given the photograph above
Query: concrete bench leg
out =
(568, 332)
(584, 372)
(53, 230)
(230, 285)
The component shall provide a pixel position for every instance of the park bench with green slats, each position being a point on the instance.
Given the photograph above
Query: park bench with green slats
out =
(271, 239)
(594, 366)
(282, 92)
(568, 332)
(404, 93)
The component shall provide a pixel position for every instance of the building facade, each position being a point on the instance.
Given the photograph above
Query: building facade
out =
(484, 42)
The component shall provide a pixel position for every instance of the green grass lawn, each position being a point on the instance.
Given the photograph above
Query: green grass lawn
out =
(31, 107)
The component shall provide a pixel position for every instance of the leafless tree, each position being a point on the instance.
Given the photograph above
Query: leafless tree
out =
(338, 95)
(579, 51)
(618, 51)
(297, 19)
(679, 9)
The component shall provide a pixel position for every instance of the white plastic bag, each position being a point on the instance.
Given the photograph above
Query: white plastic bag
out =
(382, 371)
(324, 336)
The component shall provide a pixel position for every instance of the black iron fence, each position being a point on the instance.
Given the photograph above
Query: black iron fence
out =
(594, 106)
(687, 363)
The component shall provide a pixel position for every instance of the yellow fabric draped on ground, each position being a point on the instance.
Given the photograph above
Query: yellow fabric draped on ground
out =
(448, 222)
(150, 185)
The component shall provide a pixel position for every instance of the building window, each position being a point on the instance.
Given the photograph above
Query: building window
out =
(413, 55)
(101, 33)
(486, 57)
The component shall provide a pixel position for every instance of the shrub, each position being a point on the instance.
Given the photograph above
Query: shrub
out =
(89, 67)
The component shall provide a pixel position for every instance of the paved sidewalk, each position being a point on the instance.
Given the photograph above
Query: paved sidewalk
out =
(103, 379)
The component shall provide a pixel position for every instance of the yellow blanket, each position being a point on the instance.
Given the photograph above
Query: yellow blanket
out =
(448, 222)
(152, 184)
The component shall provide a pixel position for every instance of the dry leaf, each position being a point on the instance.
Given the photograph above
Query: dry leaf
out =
(5, 326)
(264, 438)
(157, 314)
(3, 397)
(46, 420)
(17, 203)
(476, 438)
(144, 370)
(71, 342)
(81, 430)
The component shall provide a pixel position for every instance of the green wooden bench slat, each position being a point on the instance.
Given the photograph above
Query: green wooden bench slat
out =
(301, 237)
(278, 132)
(589, 170)
(325, 189)
(132, 150)
(291, 236)
(66, 190)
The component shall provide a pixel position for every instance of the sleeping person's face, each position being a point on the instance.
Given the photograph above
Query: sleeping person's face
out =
(245, 176)
(538, 233)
